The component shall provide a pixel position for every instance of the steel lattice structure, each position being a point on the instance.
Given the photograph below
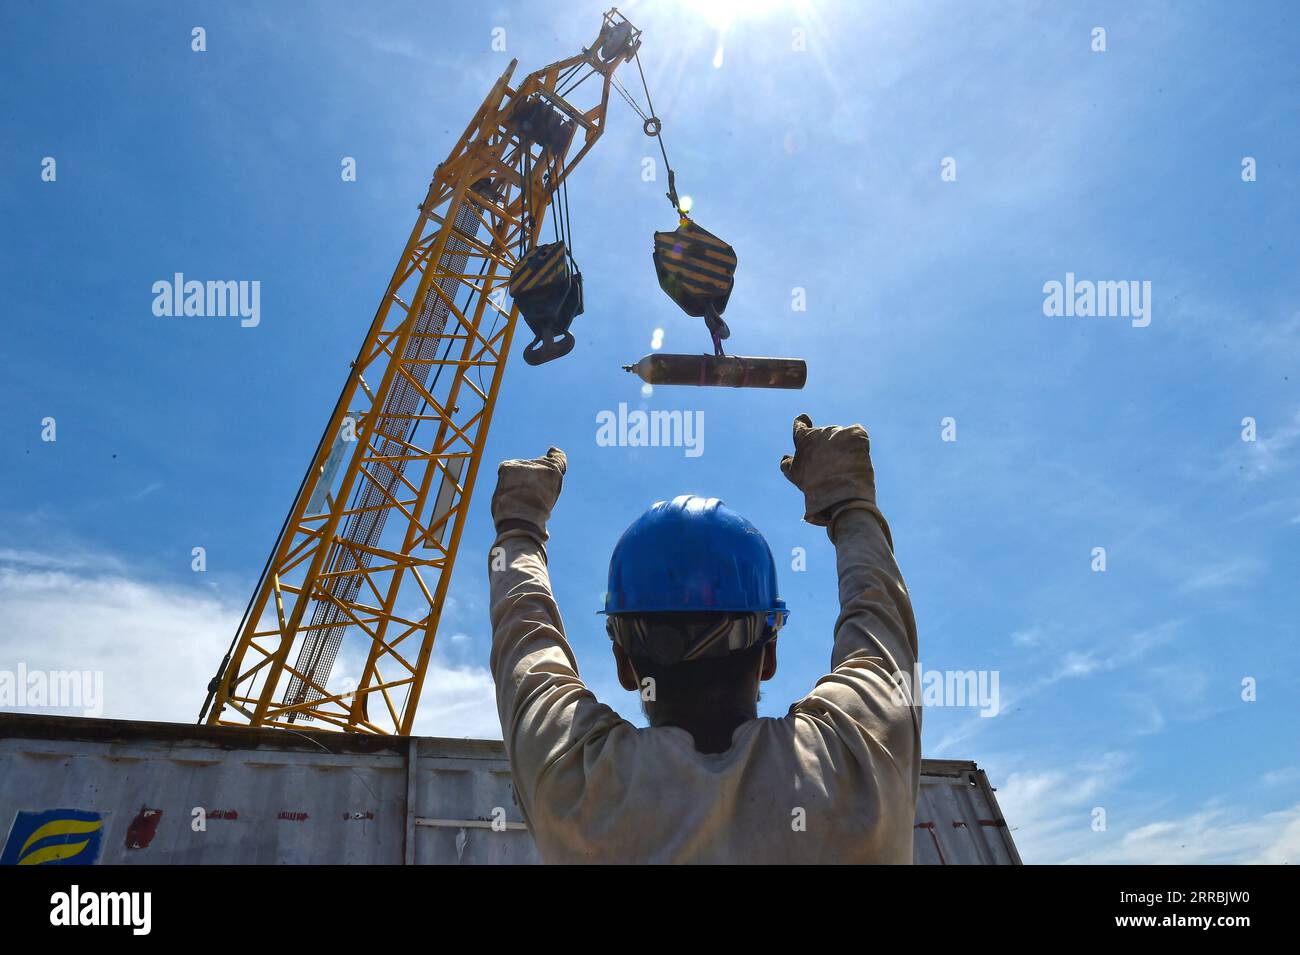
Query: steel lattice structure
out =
(366, 554)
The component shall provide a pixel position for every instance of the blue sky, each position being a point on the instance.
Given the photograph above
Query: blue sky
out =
(822, 166)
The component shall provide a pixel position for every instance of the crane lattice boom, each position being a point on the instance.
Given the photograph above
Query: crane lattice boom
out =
(366, 554)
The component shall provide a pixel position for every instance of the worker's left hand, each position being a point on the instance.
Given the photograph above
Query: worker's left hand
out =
(832, 466)
(527, 490)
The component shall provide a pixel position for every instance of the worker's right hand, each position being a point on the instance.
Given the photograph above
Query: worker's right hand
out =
(832, 466)
(527, 491)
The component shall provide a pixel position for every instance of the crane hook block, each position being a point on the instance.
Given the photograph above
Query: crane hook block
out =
(547, 287)
(695, 268)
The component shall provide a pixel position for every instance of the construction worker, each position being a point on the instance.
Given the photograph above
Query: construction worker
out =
(693, 613)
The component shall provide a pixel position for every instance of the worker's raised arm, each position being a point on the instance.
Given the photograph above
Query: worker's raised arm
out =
(875, 634)
(545, 709)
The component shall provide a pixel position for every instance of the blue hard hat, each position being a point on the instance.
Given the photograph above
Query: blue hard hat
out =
(693, 554)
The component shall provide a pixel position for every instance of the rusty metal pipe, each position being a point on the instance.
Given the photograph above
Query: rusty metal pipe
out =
(726, 371)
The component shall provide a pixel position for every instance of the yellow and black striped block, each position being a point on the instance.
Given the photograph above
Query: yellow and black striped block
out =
(695, 268)
(543, 266)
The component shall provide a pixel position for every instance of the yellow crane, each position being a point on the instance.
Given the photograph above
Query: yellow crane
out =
(367, 550)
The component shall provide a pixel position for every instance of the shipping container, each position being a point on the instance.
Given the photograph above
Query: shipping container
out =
(121, 792)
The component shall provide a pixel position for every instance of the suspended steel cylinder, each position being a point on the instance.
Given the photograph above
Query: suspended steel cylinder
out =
(726, 371)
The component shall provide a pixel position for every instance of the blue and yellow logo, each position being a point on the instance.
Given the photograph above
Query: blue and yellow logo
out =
(54, 837)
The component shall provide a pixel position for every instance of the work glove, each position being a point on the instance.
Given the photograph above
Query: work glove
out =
(832, 466)
(526, 492)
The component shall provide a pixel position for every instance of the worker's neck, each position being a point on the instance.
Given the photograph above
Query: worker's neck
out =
(710, 728)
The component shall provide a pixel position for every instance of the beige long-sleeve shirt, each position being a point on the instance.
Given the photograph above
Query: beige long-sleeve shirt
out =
(834, 780)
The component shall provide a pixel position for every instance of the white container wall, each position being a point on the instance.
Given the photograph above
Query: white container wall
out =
(119, 792)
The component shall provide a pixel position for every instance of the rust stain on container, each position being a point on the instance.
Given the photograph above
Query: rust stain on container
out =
(143, 828)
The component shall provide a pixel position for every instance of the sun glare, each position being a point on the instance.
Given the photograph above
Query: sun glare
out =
(721, 14)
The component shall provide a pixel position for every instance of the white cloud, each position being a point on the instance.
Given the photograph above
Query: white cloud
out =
(1051, 814)
(1120, 653)
(458, 701)
(1213, 835)
(1269, 454)
(1028, 637)
(1229, 573)
(32, 559)
(1276, 777)
(158, 645)
(1049, 810)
